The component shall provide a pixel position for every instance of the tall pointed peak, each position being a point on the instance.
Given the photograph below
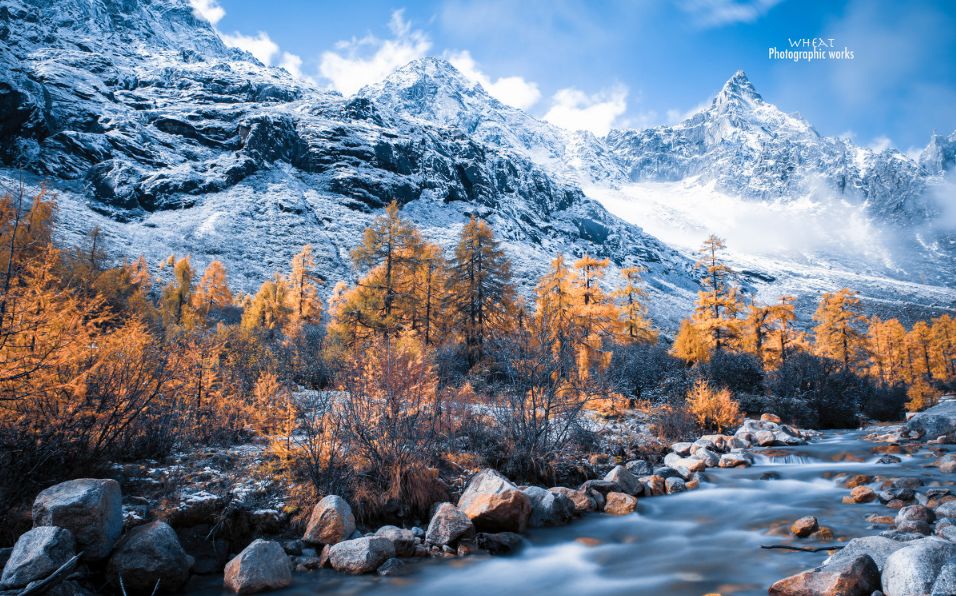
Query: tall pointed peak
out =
(739, 86)
(429, 68)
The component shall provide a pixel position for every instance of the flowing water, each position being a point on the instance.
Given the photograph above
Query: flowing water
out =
(697, 542)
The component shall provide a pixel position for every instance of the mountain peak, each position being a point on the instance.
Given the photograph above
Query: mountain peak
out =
(737, 89)
(430, 70)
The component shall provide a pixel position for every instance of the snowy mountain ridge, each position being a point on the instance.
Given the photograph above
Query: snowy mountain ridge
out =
(142, 122)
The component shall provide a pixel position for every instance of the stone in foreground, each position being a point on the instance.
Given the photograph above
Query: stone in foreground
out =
(485, 482)
(506, 511)
(403, 540)
(37, 553)
(91, 509)
(361, 555)
(913, 570)
(448, 525)
(858, 576)
(147, 555)
(261, 566)
(877, 547)
(582, 501)
(548, 508)
(331, 521)
(626, 480)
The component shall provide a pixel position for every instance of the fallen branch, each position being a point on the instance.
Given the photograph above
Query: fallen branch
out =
(804, 549)
(51, 580)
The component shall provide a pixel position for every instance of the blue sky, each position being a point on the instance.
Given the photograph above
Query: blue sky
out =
(613, 63)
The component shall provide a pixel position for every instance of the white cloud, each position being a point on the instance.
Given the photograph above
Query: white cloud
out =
(880, 144)
(360, 61)
(293, 65)
(259, 45)
(574, 109)
(718, 13)
(514, 91)
(208, 10)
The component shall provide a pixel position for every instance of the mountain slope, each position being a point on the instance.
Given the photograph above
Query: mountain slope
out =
(142, 122)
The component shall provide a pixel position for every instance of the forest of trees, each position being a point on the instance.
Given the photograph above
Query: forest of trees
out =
(430, 358)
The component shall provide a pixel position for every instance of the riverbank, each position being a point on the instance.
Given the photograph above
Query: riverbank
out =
(689, 542)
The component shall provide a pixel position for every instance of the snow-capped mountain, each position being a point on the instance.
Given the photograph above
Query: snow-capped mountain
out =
(142, 122)
(748, 147)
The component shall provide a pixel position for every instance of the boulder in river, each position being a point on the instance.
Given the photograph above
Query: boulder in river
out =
(946, 580)
(620, 504)
(485, 482)
(150, 554)
(860, 494)
(674, 485)
(804, 526)
(548, 508)
(90, 508)
(403, 541)
(506, 511)
(626, 480)
(914, 568)
(448, 525)
(858, 576)
(361, 555)
(499, 543)
(722, 443)
(935, 421)
(736, 459)
(331, 521)
(261, 566)
(710, 458)
(392, 568)
(36, 554)
(583, 502)
(654, 486)
(877, 547)
(946, 510)
(915, 513)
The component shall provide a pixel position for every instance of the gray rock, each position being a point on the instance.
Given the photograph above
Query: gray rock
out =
(361, 555)
(626, 480)
(935, 421)
(331, 521)
(737, 459)
(675, 485)
(448, 525)
(548, 508)
(877, 547)
(707, 456)
(639, 467)
(90, 508)
(37, 553)
(500, 543)
(403, 541)
(487, 481)
(915, 513)
(912, 570)
(945, 584)
(392, 568)
(682, 449)
(261, 566)
(947, 509)
(148, 554)
(914, 526)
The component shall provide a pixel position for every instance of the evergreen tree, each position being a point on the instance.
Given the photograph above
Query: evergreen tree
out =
(480, 293)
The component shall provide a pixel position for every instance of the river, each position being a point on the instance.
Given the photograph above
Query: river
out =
(698, 542)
